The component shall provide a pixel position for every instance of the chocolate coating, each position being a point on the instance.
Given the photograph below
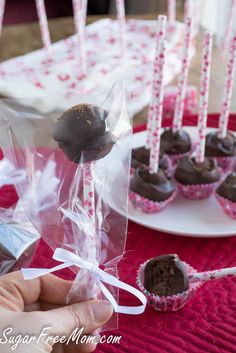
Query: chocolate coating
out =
(165, 276)
(220, 147)
(189, 172)
(175, 142)
(156, 187)
(228, 188)
(140, 157)
(82, 133)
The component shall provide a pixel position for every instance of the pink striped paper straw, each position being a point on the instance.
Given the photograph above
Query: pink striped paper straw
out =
(230, 25)
(160, 35)
(158, 107)
(204, 94)
(2, 9)
(88, 189)
(228, 87)
(213, 274)
(182, 84)
(120, 8)
(80, 11)
(43, 23)
(171, 10)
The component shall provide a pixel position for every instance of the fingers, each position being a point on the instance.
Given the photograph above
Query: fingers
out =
(16, 293)
(88, 316)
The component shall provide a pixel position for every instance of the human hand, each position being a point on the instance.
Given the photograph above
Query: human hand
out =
(29, 307)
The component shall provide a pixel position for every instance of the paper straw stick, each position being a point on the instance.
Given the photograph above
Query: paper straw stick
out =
(89, 192)
(228, 87)
(80, 10)
(43, 23)
(2, 9)
(188, 9)
(182, 84)
(171, 10)
(158, 107)
(230, 26)
(160, 35)
(120, 8)
(214, 274)
(204, 94)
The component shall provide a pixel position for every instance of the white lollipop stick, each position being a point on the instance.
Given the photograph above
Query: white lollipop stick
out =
(43, 23)
(228, 87)
(171, 10)
(230, 26)
(214, 274)
(120, 8)
(80, 11)
(182, 84)
(204, 94)
(160, 35)
(158, 107)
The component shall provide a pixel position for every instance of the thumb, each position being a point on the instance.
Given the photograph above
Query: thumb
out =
(89, 315)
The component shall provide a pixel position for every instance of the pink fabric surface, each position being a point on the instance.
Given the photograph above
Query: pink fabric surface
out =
(206, 324)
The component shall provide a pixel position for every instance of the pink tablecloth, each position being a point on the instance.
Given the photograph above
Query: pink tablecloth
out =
(206, 324)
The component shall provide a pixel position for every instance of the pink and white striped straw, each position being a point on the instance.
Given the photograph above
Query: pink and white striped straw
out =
(204, 94)
(228, 87)
(213, 274)
(2, 9)
(43, 23)
(158, 107)
(171, 10)
(160, 35)
(120, 8)
(80, 11)
(88, 190)
(182, 84)
(230, 25)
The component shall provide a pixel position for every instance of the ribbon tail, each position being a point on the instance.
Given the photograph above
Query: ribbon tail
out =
(31, 273)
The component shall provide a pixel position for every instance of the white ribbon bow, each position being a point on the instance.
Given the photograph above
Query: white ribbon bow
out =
(9, 175)
(70, 259)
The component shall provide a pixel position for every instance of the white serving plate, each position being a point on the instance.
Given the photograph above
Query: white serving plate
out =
(203, 218)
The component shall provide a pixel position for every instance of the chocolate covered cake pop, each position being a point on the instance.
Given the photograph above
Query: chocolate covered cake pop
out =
(175, 143)
(220, 147)
(82, 133)
(228, 188)
(141, 156)
(189, 172)
(155, 187)
(165, 275)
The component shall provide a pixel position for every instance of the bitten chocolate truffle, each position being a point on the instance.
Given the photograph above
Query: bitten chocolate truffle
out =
(220, 147)
(155, 187)
(228, 188)
(173, 143)
(165, 275)
(141, 155)
(82, 133)
(189, 172)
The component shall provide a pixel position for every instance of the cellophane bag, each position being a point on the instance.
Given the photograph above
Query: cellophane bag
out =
(55, 191)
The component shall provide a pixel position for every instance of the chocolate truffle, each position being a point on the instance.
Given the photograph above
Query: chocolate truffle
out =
(155, 187)
(82, 133)
(189, 172)
(220, 147)
(173, 143)
(228, 188)
(165, 275)
(141, 155)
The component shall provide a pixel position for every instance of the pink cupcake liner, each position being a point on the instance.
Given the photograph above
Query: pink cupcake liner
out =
(148, 206)
(169, 303)
(228, 206)
(226, 163)
(197, 192)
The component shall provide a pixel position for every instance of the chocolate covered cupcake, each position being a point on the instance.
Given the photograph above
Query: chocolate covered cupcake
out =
(223, 149)
(141, 155)
(151, 192)
(165, 282)
(175, 144)
(82, 133)
(226, 195)
(197, 180)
